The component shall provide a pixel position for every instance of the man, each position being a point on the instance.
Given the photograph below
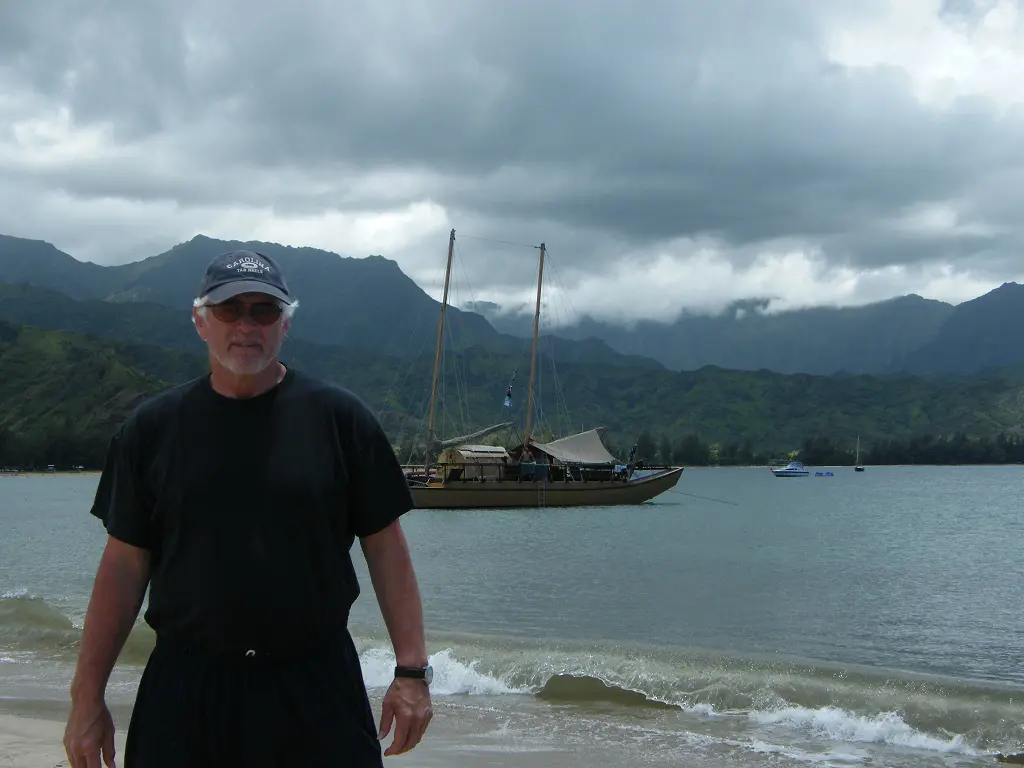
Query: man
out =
(236, 498)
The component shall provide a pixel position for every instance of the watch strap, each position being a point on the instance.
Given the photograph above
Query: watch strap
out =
(419, 673)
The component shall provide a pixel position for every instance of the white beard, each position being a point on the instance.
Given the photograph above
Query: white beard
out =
(248, 366)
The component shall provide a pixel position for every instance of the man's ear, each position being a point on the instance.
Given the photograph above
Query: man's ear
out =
(199, 322)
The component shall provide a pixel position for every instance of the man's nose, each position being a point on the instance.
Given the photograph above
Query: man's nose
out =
(246, 322)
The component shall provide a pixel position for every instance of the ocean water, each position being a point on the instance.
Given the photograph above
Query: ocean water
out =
(858, 619)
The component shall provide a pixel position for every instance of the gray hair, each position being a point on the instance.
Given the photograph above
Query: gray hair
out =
(202, 302)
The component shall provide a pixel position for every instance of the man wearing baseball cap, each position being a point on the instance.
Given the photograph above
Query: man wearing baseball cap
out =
(236, 499)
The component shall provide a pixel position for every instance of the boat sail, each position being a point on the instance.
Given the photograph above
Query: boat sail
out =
(576, 470)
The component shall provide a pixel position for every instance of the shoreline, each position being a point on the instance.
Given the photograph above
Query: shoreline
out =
(687, 467)
(46, 473)
(692, 467)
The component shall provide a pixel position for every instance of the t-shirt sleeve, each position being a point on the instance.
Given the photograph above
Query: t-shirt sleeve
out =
(121, 502)
(380, 492)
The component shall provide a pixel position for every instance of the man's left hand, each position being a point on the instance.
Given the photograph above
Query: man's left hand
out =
(407, 703)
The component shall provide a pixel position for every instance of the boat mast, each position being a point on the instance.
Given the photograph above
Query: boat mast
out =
(533, 357)
(437, 352)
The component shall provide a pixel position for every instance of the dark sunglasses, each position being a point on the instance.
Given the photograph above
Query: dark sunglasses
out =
(264, 313)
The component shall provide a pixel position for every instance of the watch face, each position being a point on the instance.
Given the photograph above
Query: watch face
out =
(428, 674)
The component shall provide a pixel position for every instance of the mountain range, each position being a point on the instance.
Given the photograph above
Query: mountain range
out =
(81, 343)
(903, 335)
(371, 304)
(366, 303)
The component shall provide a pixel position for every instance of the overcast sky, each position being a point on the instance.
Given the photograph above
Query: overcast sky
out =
(670, 153)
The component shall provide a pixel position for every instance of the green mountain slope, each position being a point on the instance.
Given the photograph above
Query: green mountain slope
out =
(978, 334)
(62, 394)
(41, 264)
(140, 322)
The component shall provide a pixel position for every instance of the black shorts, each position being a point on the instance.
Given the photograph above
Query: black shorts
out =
(208, 711)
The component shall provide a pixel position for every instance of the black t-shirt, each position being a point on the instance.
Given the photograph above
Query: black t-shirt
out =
(250, 508)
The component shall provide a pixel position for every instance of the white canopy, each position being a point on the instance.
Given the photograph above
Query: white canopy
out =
(584, 448)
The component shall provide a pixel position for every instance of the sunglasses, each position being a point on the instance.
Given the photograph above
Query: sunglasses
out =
(264, 313)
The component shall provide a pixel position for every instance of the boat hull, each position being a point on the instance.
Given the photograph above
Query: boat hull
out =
(494, 494)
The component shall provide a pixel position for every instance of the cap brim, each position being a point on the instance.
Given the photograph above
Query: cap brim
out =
(229, 291)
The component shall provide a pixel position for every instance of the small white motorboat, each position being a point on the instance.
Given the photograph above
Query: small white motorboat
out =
(793, 469)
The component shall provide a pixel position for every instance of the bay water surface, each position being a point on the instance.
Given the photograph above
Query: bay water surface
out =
(868, 618)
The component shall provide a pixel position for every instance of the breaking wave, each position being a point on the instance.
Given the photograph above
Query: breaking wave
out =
(805, 700)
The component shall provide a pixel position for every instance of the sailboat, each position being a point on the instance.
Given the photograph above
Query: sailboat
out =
(859, 467)
(572, 471)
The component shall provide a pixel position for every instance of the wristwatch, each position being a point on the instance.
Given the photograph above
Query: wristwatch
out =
(426, 674)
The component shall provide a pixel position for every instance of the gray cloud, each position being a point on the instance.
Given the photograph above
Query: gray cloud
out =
(612, 133)
(966, 10)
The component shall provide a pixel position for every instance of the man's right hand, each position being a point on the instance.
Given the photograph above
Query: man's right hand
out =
(121, 581)
(89, 732)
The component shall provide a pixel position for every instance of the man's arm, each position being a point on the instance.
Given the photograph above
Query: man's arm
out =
(121, 580)
(407, 701)
(398, 594)
(117, 595)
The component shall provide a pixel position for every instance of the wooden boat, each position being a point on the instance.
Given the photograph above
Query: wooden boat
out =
(512, 493)
(576, 470)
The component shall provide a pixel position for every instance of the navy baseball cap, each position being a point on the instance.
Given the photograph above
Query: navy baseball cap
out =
(237, 272)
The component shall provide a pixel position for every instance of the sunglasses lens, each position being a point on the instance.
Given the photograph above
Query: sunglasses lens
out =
(265, 314)
(226, 313)
(232, 312)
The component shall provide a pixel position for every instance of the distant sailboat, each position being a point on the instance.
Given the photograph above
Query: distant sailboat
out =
(859, 467)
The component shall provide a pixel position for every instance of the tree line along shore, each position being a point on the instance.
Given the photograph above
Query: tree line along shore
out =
(55, 451)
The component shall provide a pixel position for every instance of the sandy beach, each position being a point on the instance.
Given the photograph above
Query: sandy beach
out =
(33, 742)
(31, 736)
